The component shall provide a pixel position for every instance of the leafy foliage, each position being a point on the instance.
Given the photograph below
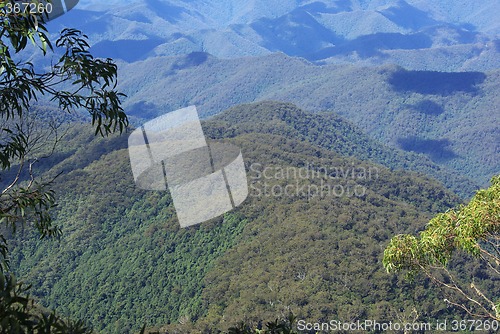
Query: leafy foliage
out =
(278, 326)
(19, 314)
(473, 229)
(92, 83)
(76, 81)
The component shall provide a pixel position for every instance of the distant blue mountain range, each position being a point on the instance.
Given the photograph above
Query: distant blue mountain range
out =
(437, 35)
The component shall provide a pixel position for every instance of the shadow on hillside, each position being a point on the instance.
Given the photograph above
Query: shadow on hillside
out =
(436, 83)
(191, 60)
(427, 107)
(407, 16)
(125, 49)
(143, 110)
(295, 34)
(436, 149)
(496, 43)
(300, 34)
(139, 17)
(320, 7)
(166, 11)
(371, 45)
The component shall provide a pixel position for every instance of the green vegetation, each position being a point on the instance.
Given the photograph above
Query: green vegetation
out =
(473, 229)
(123, 261)
(331, 132)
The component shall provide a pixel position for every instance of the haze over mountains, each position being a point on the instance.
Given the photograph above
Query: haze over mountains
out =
(441, 115)
(443, 35)
(216, 54)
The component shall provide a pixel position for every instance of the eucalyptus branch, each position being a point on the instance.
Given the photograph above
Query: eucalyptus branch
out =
(488, 263)
(455, 287)
(16, 178)
(495, 247)
(466, 309)
(481, 294)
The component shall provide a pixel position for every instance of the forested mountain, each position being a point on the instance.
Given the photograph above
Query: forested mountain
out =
(124, 261)
(328, 130)
(448, 35)
(452, 118)
(358, 120)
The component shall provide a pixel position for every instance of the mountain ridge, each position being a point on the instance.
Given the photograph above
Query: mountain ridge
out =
(443, 115)
(342, 32)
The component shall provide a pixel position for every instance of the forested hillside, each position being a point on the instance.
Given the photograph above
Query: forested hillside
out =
(452, 118)
(123, 260)
(330, 131)
(416, 34)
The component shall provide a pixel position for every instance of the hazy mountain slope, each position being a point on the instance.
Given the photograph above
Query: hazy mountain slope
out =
(452, 118)
(373, 32)
(479, 14)
(123, 260)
